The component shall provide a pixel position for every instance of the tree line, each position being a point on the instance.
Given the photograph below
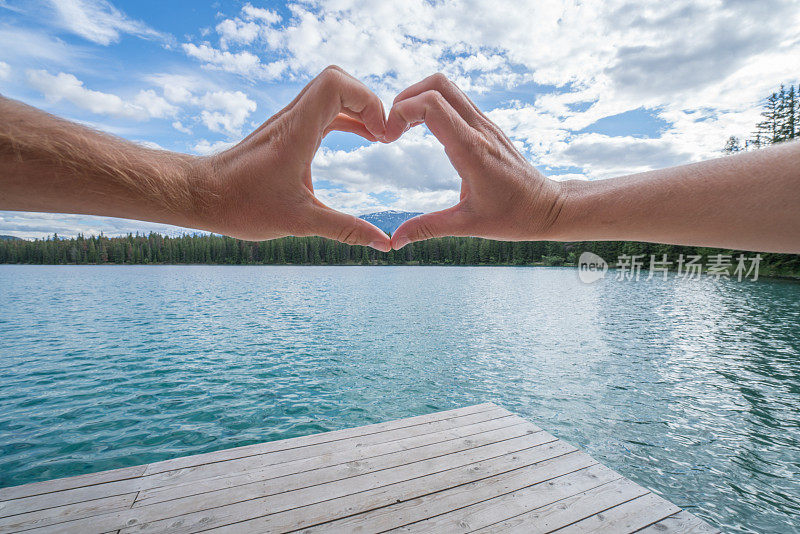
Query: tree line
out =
(137, 249)
(780, 121)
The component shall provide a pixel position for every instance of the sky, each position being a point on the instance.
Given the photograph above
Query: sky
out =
(585, 89)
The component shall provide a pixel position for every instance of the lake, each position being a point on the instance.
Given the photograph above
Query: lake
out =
(691, 388)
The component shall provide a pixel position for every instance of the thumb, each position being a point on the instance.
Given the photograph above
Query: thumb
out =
(348, 229)
(429, 225)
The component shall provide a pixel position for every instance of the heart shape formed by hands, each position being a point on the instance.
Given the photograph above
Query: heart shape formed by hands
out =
(262, 187)
(502, 195)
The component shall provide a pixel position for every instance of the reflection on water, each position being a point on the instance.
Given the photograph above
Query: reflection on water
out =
(691, 388)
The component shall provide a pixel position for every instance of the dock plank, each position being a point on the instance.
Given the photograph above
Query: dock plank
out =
(463, 454)
(629, 516)
(255, 458)
(682, 522)
(442, 508)
(536, 495)
(323, 511)
(60, 514)
(359, 452)
(478, 468)
(63, 484)
(565, 512)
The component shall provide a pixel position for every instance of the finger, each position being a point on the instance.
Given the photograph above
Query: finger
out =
(442, 120)
(451, 221)
(357, 117)
(348, 229)
(334, 92)
(451, 92)
(344, 123)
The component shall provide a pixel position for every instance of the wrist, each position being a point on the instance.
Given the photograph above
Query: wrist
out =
(200, 201)
(218, 204)
(566, 211)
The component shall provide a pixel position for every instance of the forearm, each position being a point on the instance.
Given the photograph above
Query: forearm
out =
(52, 165)
(749, 201)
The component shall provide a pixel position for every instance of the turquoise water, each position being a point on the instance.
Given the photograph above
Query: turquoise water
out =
(691, 388)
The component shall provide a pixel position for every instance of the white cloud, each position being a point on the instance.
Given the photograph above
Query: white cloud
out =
(100, 22)
(5, 70)
(416, 162)
(155, 105)
(258, 13)
(240, 63)
(25, 44)
(177, 88)
(604, 156)
(360, 202)
(220, 111)
(30, 225)
(237, 31)
(178, 125)
(243, 63)
(5, 5)
(63, 86)
(354, 202)
(413, 200)
(669, 57)
(475, 43)
(225, 111)
(357, 37)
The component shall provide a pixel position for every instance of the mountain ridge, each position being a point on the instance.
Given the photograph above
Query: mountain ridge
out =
(389, 220)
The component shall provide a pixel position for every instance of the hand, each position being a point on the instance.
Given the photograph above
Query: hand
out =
(262, 189)
(502, 195)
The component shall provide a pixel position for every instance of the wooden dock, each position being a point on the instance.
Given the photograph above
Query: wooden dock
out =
(475, 469)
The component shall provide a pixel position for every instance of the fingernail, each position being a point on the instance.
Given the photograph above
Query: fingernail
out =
(401, 242)
(380, 245)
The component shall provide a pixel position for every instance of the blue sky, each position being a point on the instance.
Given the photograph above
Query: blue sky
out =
(587, 90)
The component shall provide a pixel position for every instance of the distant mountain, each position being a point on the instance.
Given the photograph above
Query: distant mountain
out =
(9, 237)
(388, 221)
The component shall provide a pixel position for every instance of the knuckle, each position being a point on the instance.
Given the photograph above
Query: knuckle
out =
(330, 76)
(434, 99)
(484, 144)
(440, 80)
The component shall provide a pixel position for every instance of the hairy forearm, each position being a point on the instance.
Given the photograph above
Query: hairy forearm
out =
(749, 202)
(52, 165)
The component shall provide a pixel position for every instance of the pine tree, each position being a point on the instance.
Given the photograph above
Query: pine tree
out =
(768, 130)
(732, 146)
(790, 113)
(780, 121)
